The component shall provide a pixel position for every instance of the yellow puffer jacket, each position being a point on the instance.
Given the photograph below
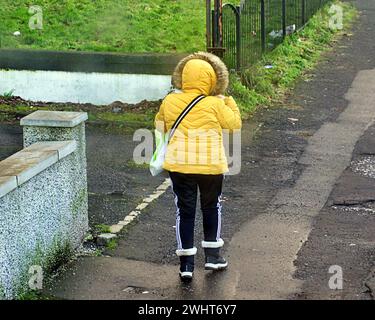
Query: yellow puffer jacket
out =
(197, 145)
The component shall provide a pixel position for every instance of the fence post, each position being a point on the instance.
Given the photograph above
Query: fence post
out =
(238, 37)
(218, 37)
(263, 24)
(208, 24)
(220, 22)
(217, 29)
(283, 13)
(214, 29)
(303, 13)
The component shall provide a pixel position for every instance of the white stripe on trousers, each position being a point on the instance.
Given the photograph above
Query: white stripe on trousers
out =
(178, 219)
(219, 208)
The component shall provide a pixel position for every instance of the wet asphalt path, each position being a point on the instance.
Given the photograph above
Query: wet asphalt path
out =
(286, 216)
(281, 230)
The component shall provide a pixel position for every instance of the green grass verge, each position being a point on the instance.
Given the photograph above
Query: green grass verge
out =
(259, 86)
(136, 119)
(256, 86)
(112, 245)
(106, 25)
(35, 295)
(101, 116)
(102, 228)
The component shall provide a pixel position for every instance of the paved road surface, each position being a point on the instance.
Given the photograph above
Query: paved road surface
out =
(303, 202)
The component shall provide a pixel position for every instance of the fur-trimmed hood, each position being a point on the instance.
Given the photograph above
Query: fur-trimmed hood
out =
(212, 79)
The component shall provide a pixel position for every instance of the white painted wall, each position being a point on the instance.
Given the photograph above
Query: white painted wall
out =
(78, 87)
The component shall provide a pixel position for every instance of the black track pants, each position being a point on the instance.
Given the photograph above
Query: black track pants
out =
(185, 188)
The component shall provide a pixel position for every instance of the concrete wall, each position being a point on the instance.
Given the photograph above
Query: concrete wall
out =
(82, 77)
(43, 199)
(79, 87)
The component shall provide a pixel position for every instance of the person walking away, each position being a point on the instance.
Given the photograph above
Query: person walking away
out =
(202, 79)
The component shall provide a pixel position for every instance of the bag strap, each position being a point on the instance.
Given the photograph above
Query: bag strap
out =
(184, 113)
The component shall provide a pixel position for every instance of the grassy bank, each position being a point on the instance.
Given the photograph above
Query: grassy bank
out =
(106, 25)
(257, 86)
(270, 78)
(118, 116)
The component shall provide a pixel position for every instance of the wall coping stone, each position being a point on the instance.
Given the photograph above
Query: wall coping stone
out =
(59, 119)
(27, 163)
(63, 148)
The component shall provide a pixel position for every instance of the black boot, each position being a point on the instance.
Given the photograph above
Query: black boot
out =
(186, 268)
(213, 260)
